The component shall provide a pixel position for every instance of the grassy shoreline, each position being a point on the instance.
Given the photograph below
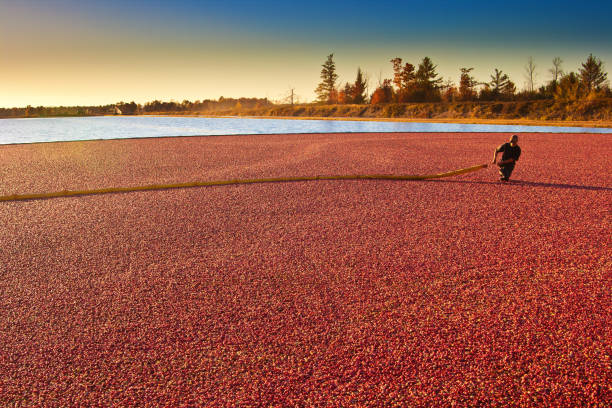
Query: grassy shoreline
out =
(595, 112)
(467, 121)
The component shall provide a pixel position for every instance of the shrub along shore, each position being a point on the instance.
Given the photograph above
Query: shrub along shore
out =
(535, 111)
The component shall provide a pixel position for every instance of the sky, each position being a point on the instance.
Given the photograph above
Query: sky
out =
(75, 52)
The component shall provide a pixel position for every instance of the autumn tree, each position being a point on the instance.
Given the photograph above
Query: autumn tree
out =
(569, 88)
(382, 94)
(592, 75)
(333, 96)
(345, 95)
(556, 72)
(427, 81)
(449, 91)
(467, 83)
(403, 79)
(327, 88)
(397, 72)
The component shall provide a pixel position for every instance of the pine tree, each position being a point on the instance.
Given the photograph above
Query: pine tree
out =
(592, 75)
(358, 89)
(408, 83)
(327, 88)
(427, 80)
(508, 89)
(499, 83)
(466, 85)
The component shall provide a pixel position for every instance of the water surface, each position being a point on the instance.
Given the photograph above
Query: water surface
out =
(124, 127)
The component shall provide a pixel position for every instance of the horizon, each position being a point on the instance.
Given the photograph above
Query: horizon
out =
(100, 53)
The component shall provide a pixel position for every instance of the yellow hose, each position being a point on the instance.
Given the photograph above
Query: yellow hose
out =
(67, 193)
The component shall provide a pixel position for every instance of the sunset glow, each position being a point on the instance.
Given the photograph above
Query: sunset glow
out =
(65, 52)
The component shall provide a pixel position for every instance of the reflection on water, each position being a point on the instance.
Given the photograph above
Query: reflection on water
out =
(113, 127)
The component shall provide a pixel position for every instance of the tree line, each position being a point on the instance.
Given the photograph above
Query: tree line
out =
(423, 84)
(132, 108)
(409, 83)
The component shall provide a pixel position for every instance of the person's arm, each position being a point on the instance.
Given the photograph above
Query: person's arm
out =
(506, 162)
(498, 150)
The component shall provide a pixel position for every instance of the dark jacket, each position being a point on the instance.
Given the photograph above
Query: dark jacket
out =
(509, 152)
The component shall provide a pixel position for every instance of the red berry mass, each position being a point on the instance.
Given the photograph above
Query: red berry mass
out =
(461, 291)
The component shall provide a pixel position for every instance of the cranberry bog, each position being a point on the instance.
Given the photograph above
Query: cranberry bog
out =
(461, 291)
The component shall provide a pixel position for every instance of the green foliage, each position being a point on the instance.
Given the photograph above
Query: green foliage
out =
(427, 81)
(500, 88)
(499, 81)
(358, 91)
(592, 75)
(327, 86)
(207, 105)
(127, 108)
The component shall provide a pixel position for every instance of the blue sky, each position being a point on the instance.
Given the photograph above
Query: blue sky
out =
(73, 52)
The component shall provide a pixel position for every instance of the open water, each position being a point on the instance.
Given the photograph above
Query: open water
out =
(127, 127)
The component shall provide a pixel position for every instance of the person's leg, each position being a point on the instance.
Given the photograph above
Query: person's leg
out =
(506, 171)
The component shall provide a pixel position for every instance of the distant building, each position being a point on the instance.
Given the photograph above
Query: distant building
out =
(117, 111)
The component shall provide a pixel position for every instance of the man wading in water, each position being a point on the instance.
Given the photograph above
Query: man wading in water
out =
(511, 154)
